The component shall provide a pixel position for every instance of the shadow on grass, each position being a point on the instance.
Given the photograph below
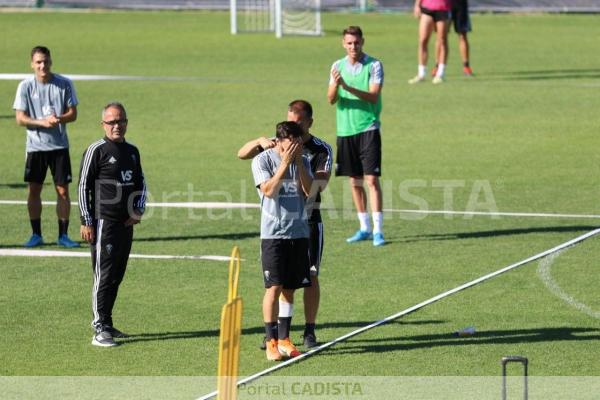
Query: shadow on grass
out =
(479, 338)
(224, 236)
(154, 336)
(551, 74)
(498, 232)
(14, 185)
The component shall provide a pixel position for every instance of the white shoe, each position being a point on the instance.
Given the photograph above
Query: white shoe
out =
(416, 79)
(437, 80)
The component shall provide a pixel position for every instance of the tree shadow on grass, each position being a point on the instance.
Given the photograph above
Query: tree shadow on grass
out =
(514, 336)
(160, 336)
(497, 232)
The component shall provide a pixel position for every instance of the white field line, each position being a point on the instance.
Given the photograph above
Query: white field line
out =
(543, 271)
(411, 309)
(224, 205)
(58, 253)
(208, 205)
(494, 214)
(78, 77)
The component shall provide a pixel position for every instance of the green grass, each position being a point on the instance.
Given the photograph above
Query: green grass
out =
(525, 128)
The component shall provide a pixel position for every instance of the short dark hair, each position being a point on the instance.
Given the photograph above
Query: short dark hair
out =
(40, 49)
(301, 106)
(114, 104)
(288, 129)
(353, 30)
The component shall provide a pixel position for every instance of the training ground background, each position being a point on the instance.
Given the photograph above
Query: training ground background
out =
(521, 137)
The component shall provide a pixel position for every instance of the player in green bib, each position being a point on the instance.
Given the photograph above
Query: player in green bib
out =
(355, 85)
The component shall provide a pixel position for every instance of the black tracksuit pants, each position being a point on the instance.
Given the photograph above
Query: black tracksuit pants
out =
(109, 261)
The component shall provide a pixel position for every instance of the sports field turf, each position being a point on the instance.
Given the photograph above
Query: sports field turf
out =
(520, 137)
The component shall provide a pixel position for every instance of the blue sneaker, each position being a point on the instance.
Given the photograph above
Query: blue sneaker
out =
(378, 239)
(34, 240)
(64, 241)
(358, 236)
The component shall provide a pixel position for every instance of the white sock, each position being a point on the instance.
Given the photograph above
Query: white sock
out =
(421, 71)
(286, 309)
(441, 70)
(377, 222)
(365, 224)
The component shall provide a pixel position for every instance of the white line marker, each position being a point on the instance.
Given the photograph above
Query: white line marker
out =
(494, 214)
(207, 205)
(543, 271)
(411, 309)
(223, 205)
(59, 253)
(78, 77)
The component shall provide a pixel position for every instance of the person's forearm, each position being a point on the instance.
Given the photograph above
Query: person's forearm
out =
(25, 120)
(69, 116)
(271, 187)
(306, 180)
(332, 94)
(366, 96)
(249, 150)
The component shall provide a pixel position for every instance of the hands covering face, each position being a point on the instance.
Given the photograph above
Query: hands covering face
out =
(293, 152)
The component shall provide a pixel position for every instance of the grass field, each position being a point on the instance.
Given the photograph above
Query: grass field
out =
(522, 136)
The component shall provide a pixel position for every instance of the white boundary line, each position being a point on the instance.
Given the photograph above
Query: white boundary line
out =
(543, 271)
(411, 309)
(225, 205)
(59, 253)
(494, 214)
(80, 77)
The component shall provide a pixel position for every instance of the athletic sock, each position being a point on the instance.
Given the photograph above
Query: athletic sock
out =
(365, 224)
(36, 226)
(466, 64)
(377, 222)
(421, 70)
(271, 330)
(309, 329)
(440, 71)
(286, 310)
(63, 226)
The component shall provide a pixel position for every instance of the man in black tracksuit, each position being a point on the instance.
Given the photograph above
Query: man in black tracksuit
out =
(112, 197)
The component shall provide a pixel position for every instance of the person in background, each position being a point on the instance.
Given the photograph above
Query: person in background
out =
(355, 84)
(45, 104)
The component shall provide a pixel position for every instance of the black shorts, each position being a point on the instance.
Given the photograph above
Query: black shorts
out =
(37, 164)
(437, 15)
(315, 247)
(285, 262)
(359, 155)
(460, 16)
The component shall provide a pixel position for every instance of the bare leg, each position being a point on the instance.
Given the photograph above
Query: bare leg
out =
(359, 196)
(463, 46)
(63, 202)
(34, 200)
(374, 192)
(442, 41)
(271, 303)
(425, 28)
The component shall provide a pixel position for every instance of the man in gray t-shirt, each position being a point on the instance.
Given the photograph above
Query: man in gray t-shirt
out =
(284, 179)
(44, 104)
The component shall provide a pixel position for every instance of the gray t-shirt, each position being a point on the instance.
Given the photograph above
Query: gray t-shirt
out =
(283, 217)
(40, 100)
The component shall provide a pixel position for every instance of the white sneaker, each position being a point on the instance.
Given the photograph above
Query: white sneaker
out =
(437, 80)
(416, 79)
(103, 339)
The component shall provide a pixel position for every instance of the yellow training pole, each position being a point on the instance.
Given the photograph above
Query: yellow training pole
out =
(231, 330)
